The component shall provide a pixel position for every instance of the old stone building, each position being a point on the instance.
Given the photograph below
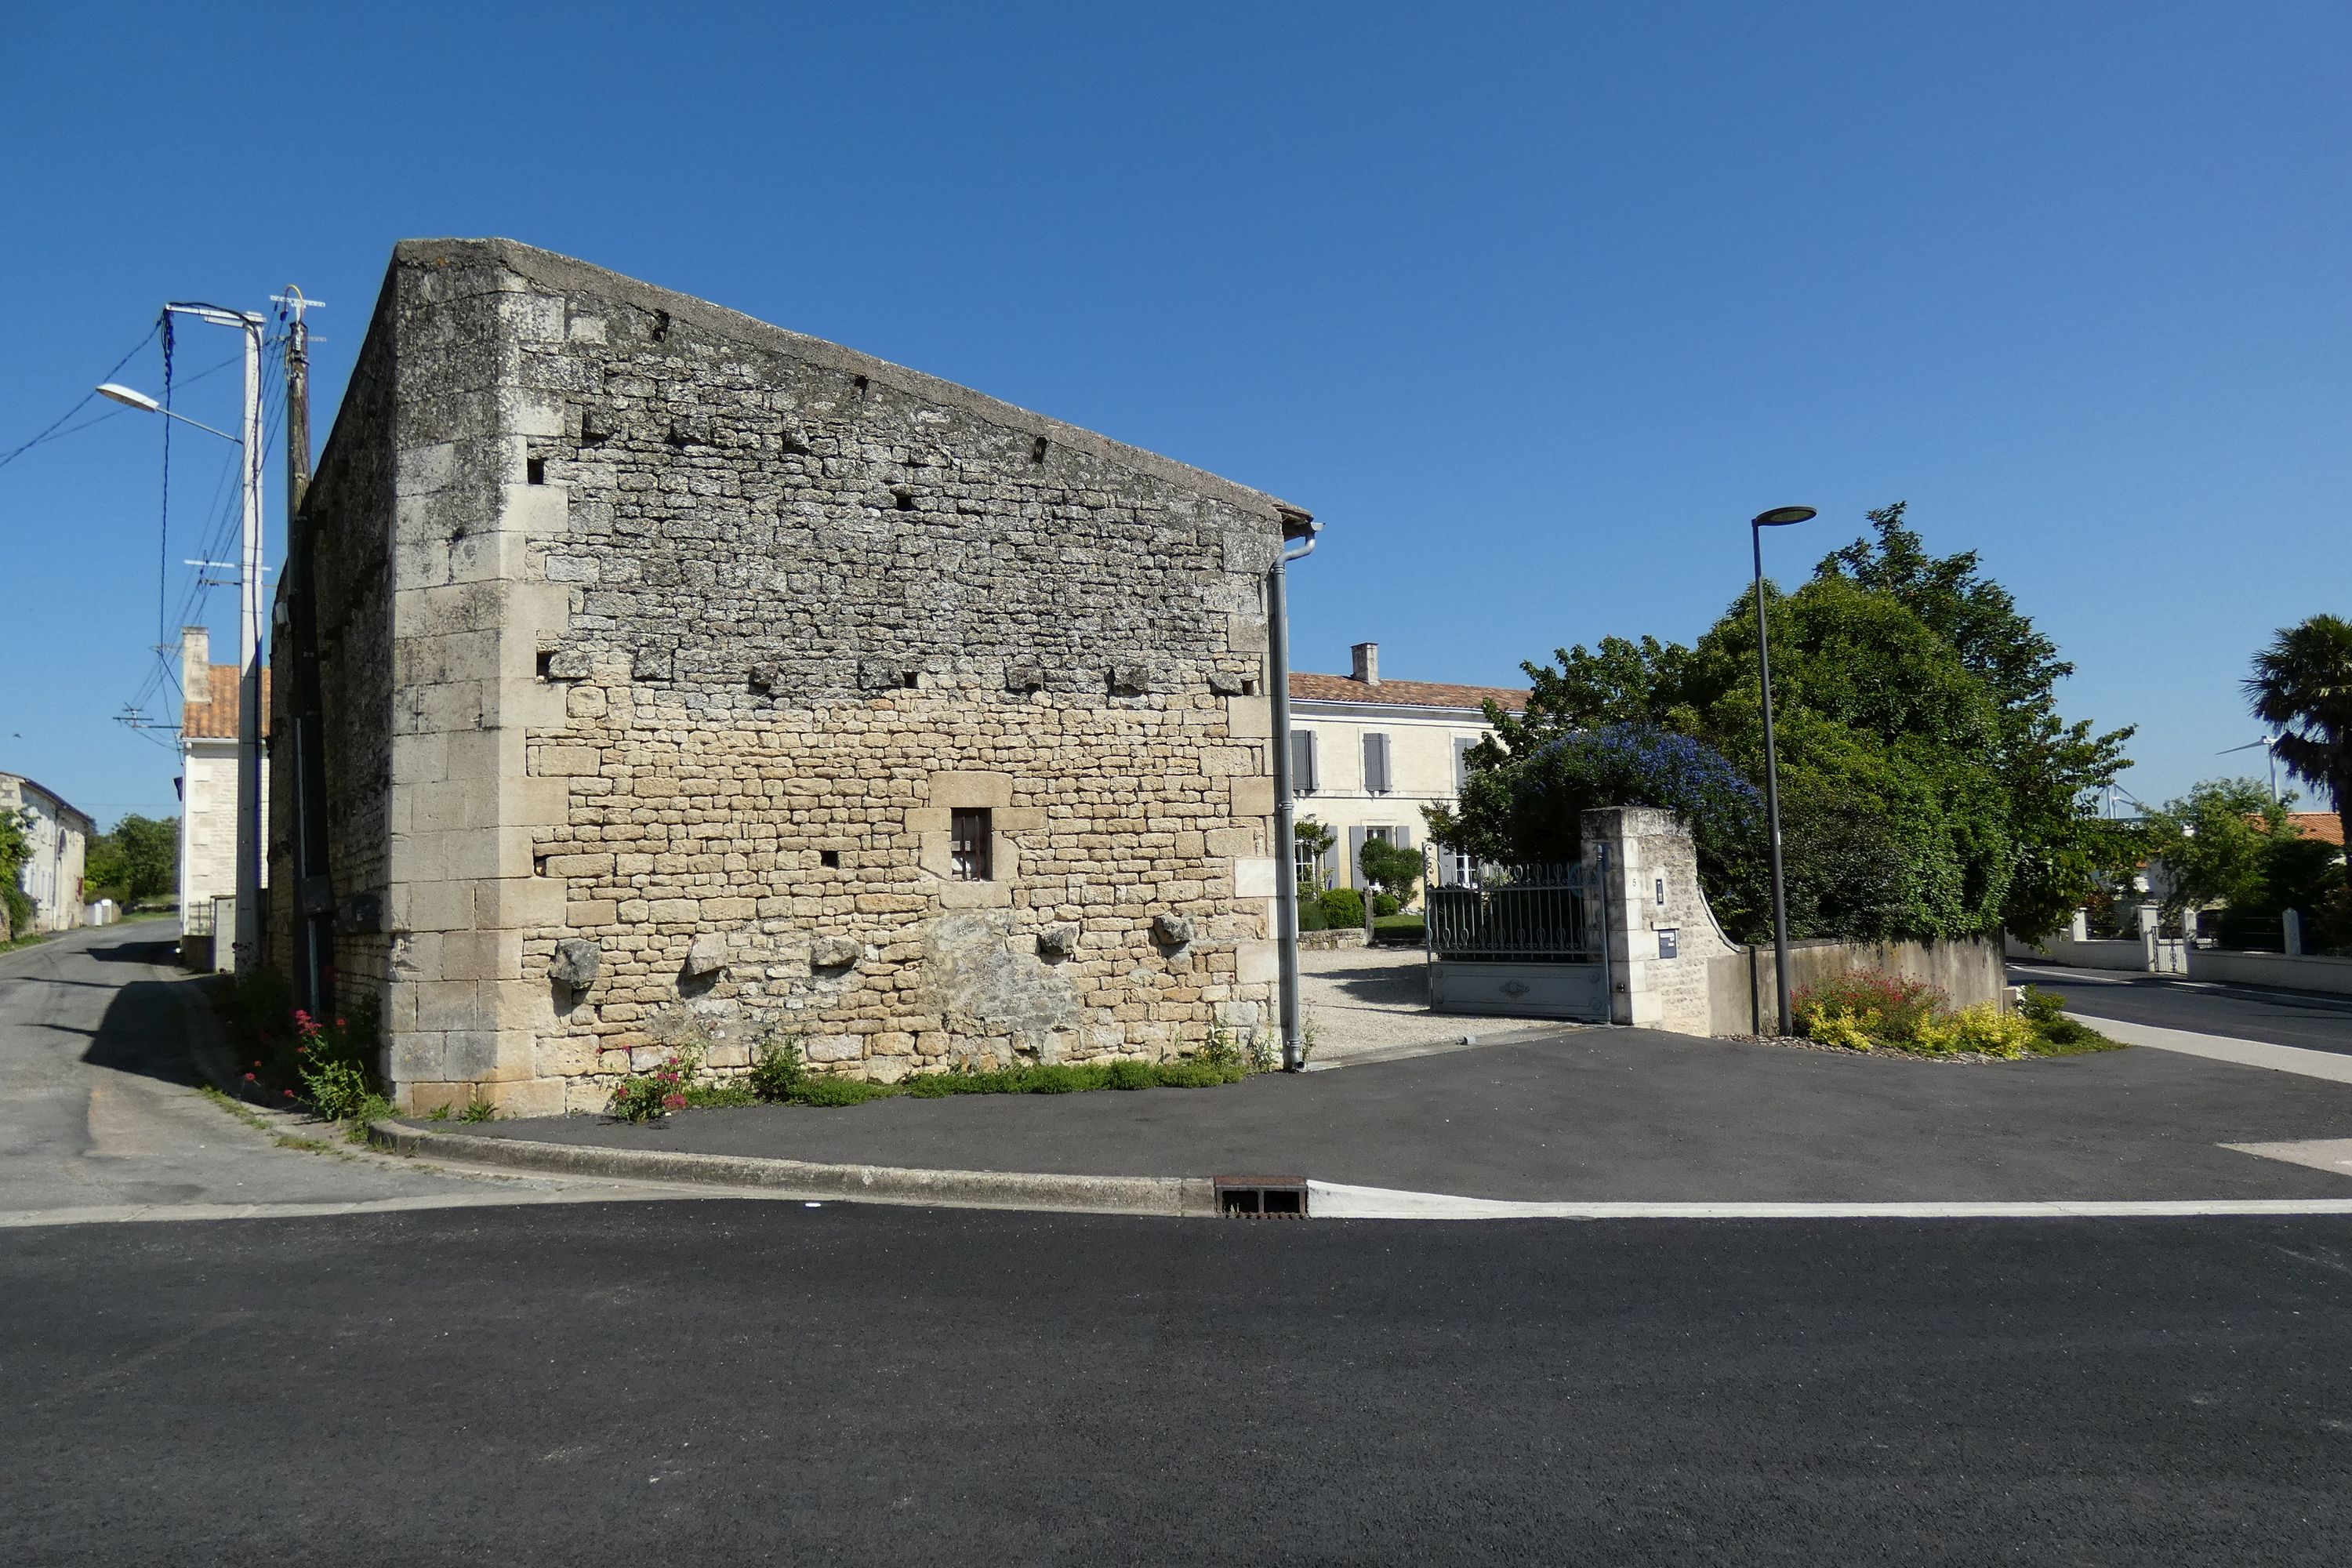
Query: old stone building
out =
(669, 676)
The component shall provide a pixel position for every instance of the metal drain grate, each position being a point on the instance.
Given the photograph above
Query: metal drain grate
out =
(1262, 1197)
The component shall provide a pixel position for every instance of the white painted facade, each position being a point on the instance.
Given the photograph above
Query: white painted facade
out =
(1368, 756)
(208, 730)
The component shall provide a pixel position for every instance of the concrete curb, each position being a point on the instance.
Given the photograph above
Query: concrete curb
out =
(1162, 1196)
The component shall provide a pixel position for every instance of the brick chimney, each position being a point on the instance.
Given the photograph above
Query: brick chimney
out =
(195, 665)
(1368, 662)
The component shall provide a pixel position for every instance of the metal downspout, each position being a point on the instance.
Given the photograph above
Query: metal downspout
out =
(1285, 811)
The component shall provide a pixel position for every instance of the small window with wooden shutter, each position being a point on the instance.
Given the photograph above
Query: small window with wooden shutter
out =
(1461, 745)
(1376, 762)
(1302, 762)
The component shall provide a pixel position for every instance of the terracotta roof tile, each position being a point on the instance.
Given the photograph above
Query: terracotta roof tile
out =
(216, 720)
(1306, 688)
(2324, 825)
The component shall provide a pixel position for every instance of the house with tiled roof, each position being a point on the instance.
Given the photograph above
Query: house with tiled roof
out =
(207, 784)
(2324, 825)
(1367, 754)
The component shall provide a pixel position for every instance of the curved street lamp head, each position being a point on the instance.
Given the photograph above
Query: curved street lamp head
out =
(1782, 516)
(129, 397)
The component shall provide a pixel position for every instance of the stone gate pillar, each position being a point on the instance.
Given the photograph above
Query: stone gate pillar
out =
(1643, 869)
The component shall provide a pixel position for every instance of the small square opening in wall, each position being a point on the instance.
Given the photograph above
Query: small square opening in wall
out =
(829, 858)
(546, 663)
(534, 470)
(968, 846)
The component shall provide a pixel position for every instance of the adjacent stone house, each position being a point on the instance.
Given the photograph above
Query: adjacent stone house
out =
(674, 678)
(58, 839)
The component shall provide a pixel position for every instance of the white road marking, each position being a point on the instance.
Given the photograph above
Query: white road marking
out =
(1333, 1200)
(2333, 1155)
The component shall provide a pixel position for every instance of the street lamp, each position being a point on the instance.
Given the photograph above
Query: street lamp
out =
(247, 949)
(1778, 517)
(131, 397)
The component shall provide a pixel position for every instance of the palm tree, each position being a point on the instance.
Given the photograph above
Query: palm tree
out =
(2303, 685)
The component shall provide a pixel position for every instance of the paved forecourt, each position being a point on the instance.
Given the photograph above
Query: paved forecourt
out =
(1609, 1116)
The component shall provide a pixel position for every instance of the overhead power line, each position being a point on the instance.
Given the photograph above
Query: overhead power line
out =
(52, 431)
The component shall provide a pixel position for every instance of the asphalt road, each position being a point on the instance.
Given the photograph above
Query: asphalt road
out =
(2315, 1022)
(1605, 1115)
(100, 1111)
(717, 1383)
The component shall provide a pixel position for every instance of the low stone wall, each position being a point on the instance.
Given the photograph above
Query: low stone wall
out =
(2111, 952)
(1331, 941)
(2140, 955)
(2333, 975)
(1743, 995)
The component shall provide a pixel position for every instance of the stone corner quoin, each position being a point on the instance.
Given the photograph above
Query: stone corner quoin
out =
(680, 678)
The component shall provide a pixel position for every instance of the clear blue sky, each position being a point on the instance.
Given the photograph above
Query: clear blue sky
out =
(1532, 306)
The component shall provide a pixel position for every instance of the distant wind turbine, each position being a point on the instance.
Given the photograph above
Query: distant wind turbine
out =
(2269, 744)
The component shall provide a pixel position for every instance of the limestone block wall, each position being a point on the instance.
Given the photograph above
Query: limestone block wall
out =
(349, 513)
(698, 634)
(1663, 937)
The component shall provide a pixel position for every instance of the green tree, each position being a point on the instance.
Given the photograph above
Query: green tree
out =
(2048, 769)
(1316, 841)
(1394, 868)
(139, 859)
(15, 847)
(2303, 684)
(2215, 843)
(1928, 786)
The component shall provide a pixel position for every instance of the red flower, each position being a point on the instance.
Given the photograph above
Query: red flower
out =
(249, 1078)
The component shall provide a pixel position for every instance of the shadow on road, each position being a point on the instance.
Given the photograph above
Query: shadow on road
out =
(1381, 984)
(145, 949)
(142, 1033)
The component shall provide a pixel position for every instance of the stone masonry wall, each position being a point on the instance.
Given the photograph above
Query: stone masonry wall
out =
(350, 504)
(701, 631)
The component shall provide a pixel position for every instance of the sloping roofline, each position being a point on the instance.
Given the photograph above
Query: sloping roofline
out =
(564, 272)
(65, 806)
(1305, 687)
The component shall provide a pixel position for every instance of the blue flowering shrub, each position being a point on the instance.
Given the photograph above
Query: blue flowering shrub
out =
(1527, 808)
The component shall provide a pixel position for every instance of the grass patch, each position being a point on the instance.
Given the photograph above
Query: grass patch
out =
(2056, 1034)
(261, 1123)
(779, 1076)
(236, 1108)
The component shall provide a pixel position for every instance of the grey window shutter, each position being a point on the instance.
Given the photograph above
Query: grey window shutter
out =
(1376, 762)
(1331, 867)
(1302, 762)
(1355, 857)
(1462, 763)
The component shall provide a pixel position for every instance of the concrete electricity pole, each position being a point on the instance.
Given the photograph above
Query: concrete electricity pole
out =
(246, 948)
(312, 953)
